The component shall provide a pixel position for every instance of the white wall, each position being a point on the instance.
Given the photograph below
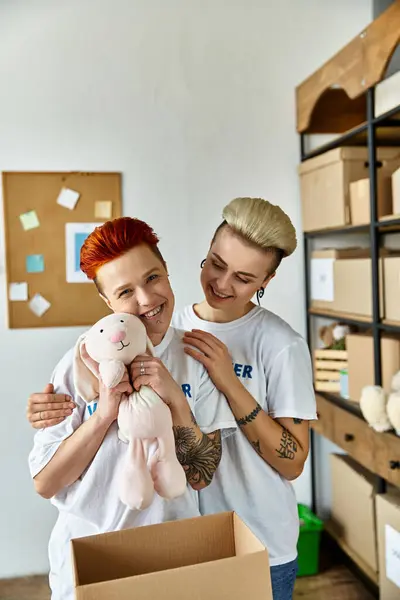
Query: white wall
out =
(194, 102)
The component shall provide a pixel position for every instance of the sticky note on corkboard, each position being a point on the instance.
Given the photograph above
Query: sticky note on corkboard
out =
(103, 209)
(29, 220)
(35, 225)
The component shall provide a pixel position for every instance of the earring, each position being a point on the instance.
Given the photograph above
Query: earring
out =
(202, 263)
(260, 294)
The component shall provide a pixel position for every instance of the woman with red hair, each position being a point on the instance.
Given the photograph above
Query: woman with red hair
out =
(263, 368)
(74, 461)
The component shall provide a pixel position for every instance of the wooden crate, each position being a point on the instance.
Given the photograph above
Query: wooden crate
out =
(327, 367)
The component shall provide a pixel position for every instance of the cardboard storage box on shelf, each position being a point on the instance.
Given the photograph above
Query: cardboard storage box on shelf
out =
(396, 192)
(391, 286)
(360, 208)
(214, 557)
(388, 526)
(341, 281)
(325, 184)
(387, 94)
(360, 361)
(353, 508)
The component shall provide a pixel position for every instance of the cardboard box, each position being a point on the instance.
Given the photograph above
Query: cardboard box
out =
(341, 281)
(360, 207)
(360, 360)
(353, 507)
(212, 557)
(387, 94)
(325, 184)
(391, 286)
(388, 524)
(396, 192)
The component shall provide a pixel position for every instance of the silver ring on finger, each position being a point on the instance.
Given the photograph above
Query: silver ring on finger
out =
(142, 369)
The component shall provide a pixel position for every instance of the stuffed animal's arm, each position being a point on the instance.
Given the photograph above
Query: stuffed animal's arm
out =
(111, 372)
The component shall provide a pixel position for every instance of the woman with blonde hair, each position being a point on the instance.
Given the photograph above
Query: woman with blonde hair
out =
(263, 368)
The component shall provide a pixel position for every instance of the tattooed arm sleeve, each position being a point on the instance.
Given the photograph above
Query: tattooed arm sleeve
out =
(199, 455)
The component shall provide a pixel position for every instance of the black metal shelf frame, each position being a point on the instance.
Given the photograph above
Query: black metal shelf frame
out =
(375, 230)
(383, 227)
(386, 327)
(384, 120)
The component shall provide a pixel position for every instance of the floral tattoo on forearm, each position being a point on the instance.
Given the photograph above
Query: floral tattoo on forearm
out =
(199, 457)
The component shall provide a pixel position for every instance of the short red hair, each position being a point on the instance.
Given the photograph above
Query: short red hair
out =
(114, 238)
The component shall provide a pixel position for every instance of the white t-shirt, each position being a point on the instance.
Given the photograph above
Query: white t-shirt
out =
(91, 505)
(273, 363)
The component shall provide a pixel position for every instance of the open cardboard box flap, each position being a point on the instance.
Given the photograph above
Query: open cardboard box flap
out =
(211, 557)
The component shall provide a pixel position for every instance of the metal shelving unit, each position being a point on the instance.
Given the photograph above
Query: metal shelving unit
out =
(367, 134)
(339, 98)
(375, 229)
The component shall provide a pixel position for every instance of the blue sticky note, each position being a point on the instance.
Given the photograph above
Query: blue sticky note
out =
(35, 263)
(79, 241)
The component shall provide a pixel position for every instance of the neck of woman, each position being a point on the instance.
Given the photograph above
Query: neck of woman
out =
(217, 315)
(157, 338)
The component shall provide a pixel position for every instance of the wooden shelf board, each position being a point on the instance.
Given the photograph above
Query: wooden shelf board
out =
(332, 99)
(387, 218)
(350, 405)
(351, 319)
(386, 135)
(331, 314)
(338, 230)
(332, 530)
(391, 323)
(387, 224)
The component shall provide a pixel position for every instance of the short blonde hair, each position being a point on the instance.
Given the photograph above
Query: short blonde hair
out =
(261, 223)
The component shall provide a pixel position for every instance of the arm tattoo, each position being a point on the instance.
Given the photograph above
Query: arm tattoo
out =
(288, 447)
(297, 421)
(250, 417)
(256, 446)
(199, 457)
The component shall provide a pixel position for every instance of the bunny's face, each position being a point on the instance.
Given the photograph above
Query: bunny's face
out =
(119, 336)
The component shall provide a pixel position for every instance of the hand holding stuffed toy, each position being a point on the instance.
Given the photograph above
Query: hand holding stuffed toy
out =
(144, 420)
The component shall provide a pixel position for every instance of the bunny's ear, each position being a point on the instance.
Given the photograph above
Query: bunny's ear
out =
(86, 372)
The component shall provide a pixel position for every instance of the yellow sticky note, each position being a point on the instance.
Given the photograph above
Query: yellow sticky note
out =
(103, 209)
(29, 220)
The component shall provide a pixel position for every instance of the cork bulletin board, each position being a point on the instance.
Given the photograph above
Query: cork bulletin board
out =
(47, 216)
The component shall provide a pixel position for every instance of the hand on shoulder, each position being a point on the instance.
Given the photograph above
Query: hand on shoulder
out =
(45, 409)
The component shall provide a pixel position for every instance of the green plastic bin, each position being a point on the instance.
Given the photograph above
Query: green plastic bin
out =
(309, 541)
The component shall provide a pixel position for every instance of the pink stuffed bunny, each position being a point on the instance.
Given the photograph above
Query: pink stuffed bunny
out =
(144, 420)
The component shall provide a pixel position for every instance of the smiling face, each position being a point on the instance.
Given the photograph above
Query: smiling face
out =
(137, 283)
(233, 272)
